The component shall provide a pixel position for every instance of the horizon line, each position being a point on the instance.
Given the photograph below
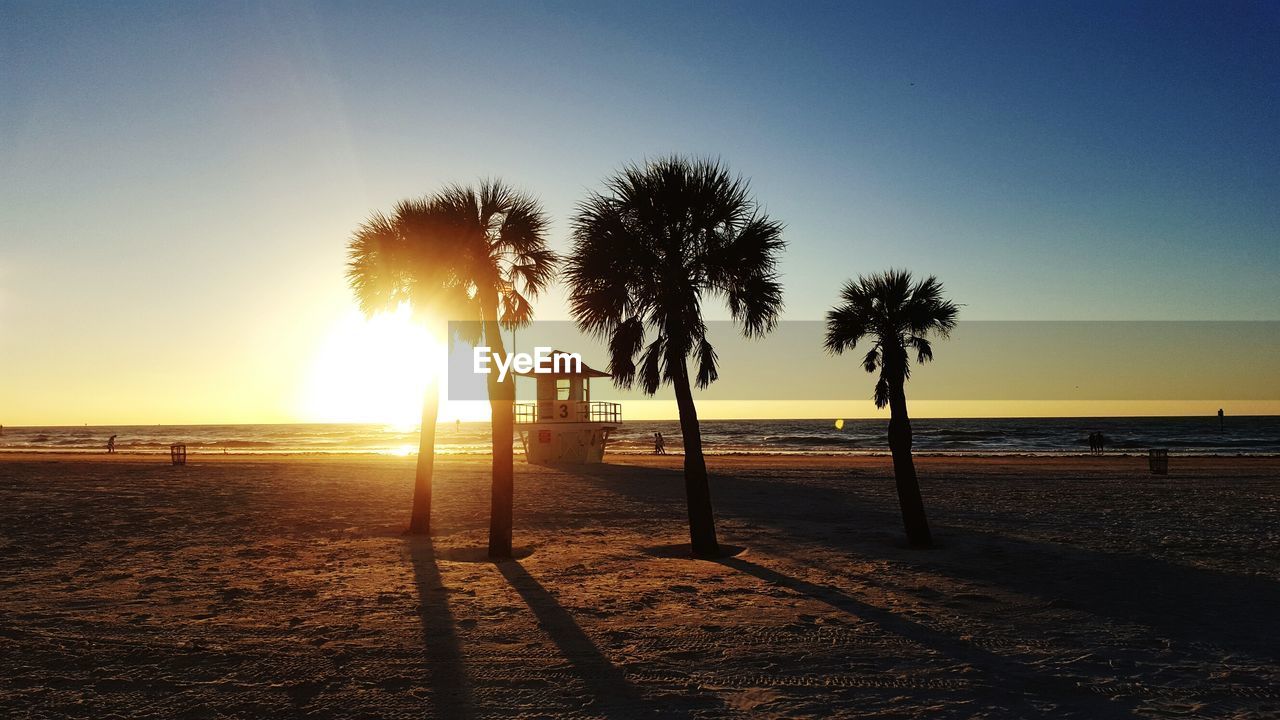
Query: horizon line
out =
(670, 419)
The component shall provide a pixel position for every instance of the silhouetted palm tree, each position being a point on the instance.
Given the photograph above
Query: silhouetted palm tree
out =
(646, 252)
(409, 258)
(503, 261)
(897, 315)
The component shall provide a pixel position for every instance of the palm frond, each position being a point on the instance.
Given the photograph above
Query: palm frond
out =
(899, 314)
(375, 269)
(881, 394)
(742, 264)
(707, 358)
(871, 360)
(926, 311)
(651, 366)
(624, 344)
(494, 200)
(924, 350)
(516, 311)
(850, 321)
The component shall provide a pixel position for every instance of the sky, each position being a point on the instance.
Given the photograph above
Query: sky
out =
(178, 181)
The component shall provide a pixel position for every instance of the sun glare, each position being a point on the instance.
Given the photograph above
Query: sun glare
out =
(372, 370)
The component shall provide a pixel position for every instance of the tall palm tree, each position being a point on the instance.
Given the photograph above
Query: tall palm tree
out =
(897, 316)
(502, 261)
(408, 258)
(646, 251)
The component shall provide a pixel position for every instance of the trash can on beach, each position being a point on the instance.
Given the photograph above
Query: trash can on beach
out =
(1158, 459)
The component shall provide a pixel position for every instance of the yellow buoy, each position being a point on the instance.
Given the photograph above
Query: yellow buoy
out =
(840, 424)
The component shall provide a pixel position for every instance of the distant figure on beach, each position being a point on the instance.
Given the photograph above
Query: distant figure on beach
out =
(1221, 422)
(111, 444)
(659, 445)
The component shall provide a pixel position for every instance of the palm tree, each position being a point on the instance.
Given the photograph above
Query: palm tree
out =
(502, 261)
(897, 315)
(407, 258)
(646, 251)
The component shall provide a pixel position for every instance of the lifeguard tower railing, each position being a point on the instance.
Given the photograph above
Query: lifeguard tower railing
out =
(550, 411)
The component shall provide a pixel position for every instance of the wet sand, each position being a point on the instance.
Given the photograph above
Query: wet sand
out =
(246, 587)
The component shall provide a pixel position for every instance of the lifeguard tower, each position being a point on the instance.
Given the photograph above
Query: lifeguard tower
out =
(564, 425)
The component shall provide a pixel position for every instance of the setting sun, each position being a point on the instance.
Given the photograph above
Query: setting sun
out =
(372, 370)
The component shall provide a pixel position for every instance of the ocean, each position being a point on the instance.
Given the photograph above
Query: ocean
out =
(1013, 436)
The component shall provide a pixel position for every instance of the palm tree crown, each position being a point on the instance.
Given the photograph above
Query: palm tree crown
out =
(463, 253)
(647, 251)
(501, 248)
(898, 315)
(407, 257)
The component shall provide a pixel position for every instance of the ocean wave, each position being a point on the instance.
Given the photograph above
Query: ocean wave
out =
(943, 432)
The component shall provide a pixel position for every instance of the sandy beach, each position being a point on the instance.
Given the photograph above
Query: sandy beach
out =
(249, 587)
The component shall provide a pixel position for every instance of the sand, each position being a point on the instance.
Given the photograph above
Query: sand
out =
(242, 587)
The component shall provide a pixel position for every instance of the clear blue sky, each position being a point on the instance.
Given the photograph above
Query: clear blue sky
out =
(177, 184)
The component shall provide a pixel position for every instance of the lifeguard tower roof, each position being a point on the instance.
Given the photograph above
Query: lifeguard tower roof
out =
(585, 372)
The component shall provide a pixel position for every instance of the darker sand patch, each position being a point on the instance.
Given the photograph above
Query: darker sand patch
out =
(479, 554)
(682, 551)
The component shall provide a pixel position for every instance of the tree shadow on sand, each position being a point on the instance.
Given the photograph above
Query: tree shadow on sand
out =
(1010, 682)
(1176, 601)
(446, 675)
(1193, 605)
(612, 694)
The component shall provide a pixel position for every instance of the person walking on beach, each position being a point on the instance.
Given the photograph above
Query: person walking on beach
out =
(1102, 443)
(1093, 443)
(659, 445)
(111, 445)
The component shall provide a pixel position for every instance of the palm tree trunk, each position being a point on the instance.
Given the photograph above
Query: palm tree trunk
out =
(697, 489)
(420, 518)
(904, 468)
(501, 406)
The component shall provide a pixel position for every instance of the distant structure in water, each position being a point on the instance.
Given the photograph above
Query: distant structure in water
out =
(1222, 423)
(564, 425)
